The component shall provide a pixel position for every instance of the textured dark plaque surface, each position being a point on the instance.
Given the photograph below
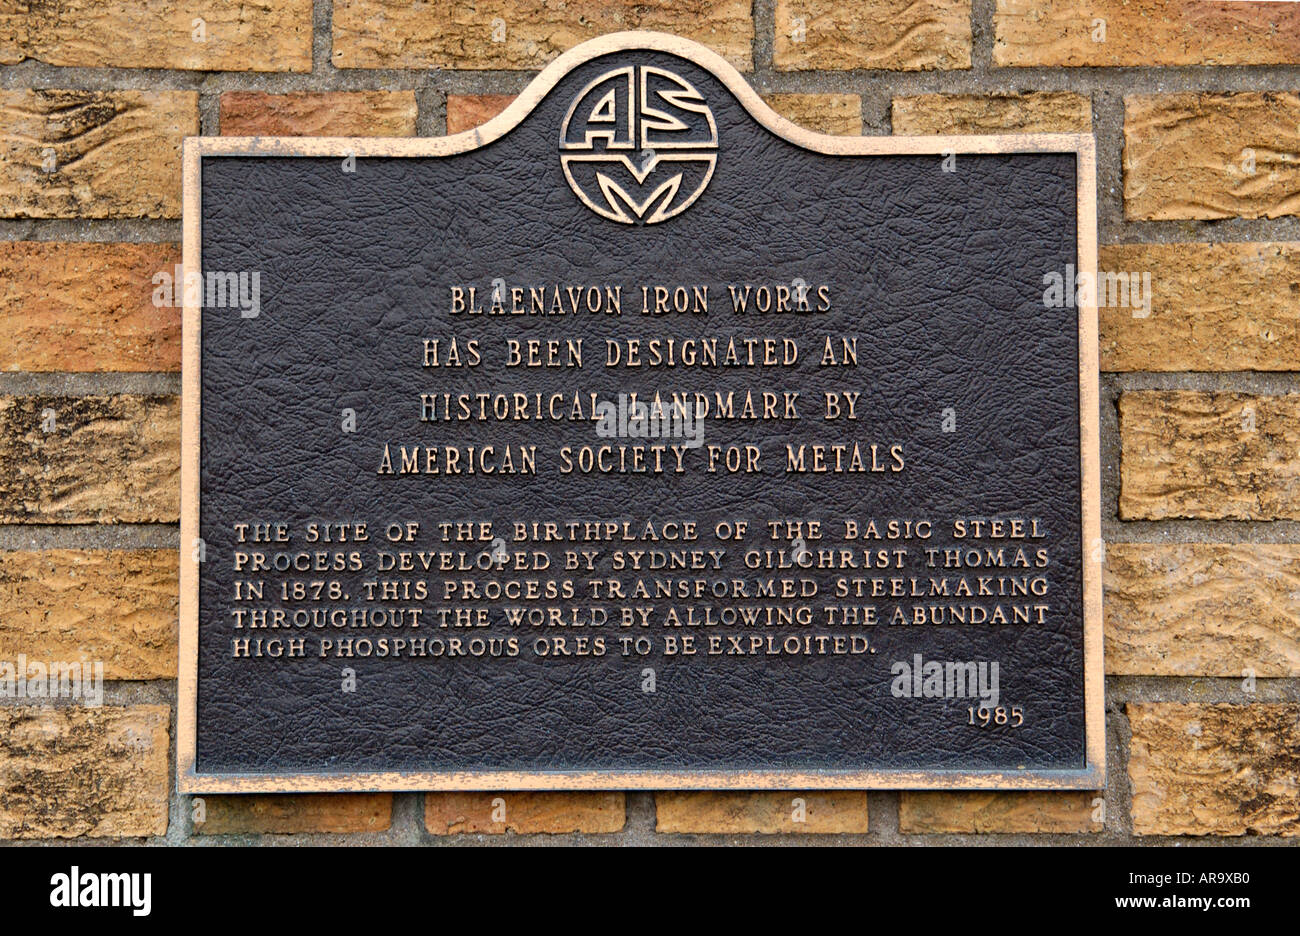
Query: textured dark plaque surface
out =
(970, 407)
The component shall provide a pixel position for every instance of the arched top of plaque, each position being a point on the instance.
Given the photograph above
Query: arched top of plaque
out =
(760, 110)
(649, 159)
(652, 42)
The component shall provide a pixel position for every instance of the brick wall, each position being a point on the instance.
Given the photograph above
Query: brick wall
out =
(1196, 109)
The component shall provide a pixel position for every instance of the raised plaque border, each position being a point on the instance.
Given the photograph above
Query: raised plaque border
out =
(1091, 777)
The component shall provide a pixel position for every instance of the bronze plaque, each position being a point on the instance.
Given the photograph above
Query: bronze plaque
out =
(640, 438)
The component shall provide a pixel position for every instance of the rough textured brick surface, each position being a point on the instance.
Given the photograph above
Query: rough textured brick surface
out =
(466, 111)
(90, 459)
(507, 34)
(286, 814)
(984, 812)
(1202, 609)
(1212, 456)
(826, 113)
(93, 154)
(1214, 307)
(318, 113)
(86, 307)
(1204, 156)
(767, 813)
(1214, 769)
(75, 771)
(235, 35)
(896, 34)
(524, 813)
(1032, 112)
(1145, 32)
(114, 606)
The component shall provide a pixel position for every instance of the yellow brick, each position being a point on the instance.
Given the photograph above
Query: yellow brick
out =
(113, 606)
(909, 35)
(1206, 156)
(1214, 769)
(523, 813)
(1213, 307)
(1144, 32)
(826, 113)
(1210, 456)
(75, 771)
(1032, 112)
(90, 459)
(93, 154)
(290, 813)
(234, 35)
(767, 813)
(1202, 609)
(460, 33)
(1033, 811)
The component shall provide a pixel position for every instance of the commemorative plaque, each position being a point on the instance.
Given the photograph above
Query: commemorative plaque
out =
(640, 438)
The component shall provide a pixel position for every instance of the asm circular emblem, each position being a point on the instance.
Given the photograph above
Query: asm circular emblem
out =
(638, 145)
